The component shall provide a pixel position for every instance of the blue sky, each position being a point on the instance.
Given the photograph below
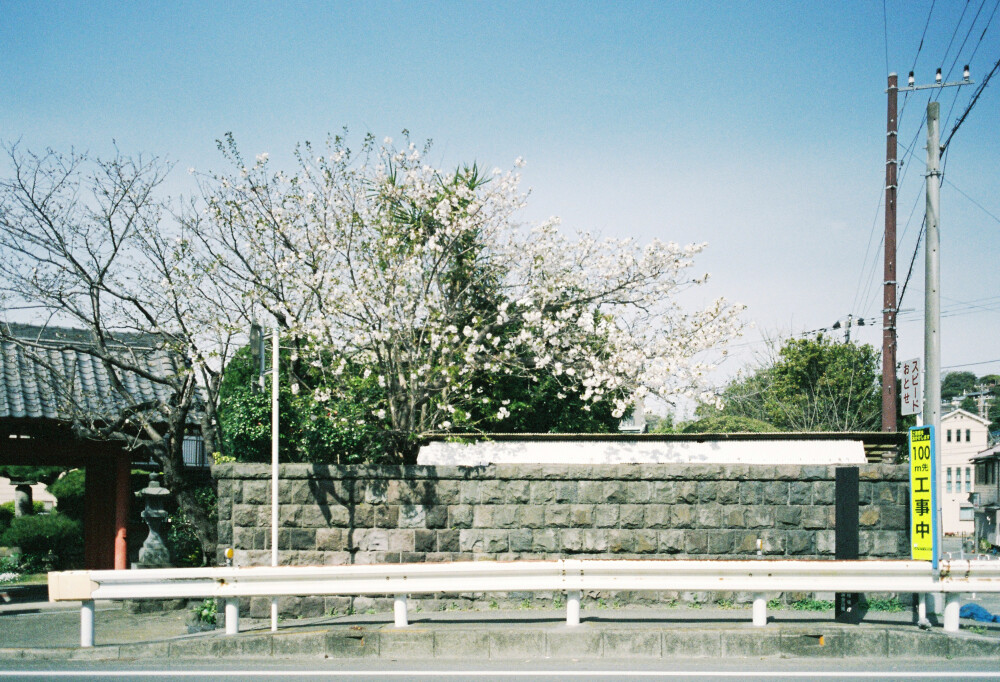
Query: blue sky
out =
(757, 127)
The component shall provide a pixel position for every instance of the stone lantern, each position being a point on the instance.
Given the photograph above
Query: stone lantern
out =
(154, 553)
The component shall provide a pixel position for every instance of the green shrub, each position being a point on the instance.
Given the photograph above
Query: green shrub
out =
(47, 541)
(181, 539)
(7, 514)
(69, 491)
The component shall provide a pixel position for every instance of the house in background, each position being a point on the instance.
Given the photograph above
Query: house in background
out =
(986, 495)
(963, 436)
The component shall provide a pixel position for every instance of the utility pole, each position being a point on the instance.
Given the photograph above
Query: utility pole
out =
(889, 269)
(932, 274)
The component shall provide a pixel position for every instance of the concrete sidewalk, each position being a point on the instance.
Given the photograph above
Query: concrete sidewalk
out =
(49, 631)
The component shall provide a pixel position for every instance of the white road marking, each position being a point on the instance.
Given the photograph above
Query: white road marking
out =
(917, 675)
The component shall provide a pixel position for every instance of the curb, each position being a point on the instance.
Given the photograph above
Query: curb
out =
(556, 642)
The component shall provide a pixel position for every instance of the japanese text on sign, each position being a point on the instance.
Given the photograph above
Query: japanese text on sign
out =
(909, 387)
(922, 498)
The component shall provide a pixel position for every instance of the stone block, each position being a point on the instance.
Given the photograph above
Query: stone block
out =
(542, 492)
(645, 541)
(757, 644)
(370, 539)
(591, 492)
(244, 515)
(482, 516)
(620, 542)
(471, 540)
(614, 492)
(708, 491)
(885, 492)
(448, 492)
(663, 492)
(531, 516)
(606, 515)
(658, 516)
(517, 492)
(256, 492)
(595, 540)
(520, 540)
(868, 517)
(759, 517)
(815, 518)
(632, 515)
(297, 538)
(331, 539)
(460, 516)
(776, 492)
(557, 516)
(788, 517)
(746, 543)
(800, 542)
(353, 644)
(670, 541)
(709, 516)
(571, 540)
(696, 542)
(449, 540)
(567, 492)
(751, 492)
(436, 516)
(893, 517)
(824, 492)
(800, 492)
(492, 492)
(773, 542)
(826, 542)
(399, 643)
(424, 540)
(362, 515)
(682, 516)
(506, 516)
(401, 540)
(545, 540)
(727, 492)
(637, 492)
(734, 517)
(722, 541)
(687, 492)
(386, 515)
(468, 492)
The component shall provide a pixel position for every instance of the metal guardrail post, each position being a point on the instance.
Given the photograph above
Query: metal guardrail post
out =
(951, 608)
(232, 616)
(399, 611)
(760, 609)
(573, 607)
(87, 623)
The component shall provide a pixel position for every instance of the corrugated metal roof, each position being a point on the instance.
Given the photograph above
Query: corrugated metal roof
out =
(57, 379)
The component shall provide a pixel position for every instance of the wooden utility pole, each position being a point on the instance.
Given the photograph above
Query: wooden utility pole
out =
(889, 279)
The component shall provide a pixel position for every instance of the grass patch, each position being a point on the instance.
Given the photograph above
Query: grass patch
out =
(891, 605)
(811, 605)
(725, 604)
(775, 605)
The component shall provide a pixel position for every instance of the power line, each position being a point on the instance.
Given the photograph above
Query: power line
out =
(972, 364)
(983, 208)
(975, 98)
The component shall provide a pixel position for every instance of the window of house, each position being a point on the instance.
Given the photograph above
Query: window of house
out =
(949, 435)
(967, 435)
(968, 479)
(948, 486)
(966, 514)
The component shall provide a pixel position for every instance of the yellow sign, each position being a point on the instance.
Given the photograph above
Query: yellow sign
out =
(923, 516)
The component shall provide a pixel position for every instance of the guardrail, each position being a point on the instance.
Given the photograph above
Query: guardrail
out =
(572, 576)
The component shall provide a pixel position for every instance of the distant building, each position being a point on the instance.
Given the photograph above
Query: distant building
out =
(986, 495)
(963, 436)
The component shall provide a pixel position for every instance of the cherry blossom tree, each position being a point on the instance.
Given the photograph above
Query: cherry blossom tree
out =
(425, 280)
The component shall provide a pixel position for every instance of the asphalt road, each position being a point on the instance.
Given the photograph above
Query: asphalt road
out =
(514, 671)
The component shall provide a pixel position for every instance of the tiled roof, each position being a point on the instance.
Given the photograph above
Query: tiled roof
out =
(65, 380)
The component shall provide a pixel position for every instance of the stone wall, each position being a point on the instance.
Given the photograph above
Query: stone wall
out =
(340, 515)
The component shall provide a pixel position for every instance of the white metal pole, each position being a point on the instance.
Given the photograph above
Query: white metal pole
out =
(760, 609)
(399, 611)
(87, 623)
(232, 616)
(274, 468)
(573, 607)
(932, 300)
